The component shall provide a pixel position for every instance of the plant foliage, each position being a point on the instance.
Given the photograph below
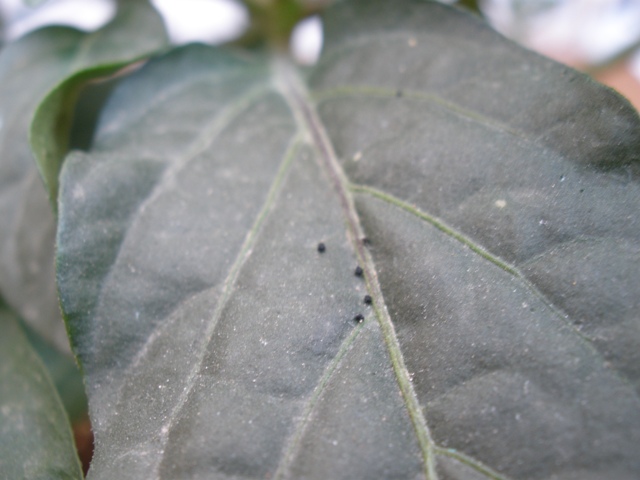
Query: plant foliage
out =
(488, 196)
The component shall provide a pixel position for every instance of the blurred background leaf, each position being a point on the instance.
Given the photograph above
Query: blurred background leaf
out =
(600, 37)
(36, 440)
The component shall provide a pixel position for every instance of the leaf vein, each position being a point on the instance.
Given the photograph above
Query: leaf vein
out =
(201, 143)
(300, 103)
(347, 91)
(230, 280)
(471, 462)
(478, 249)
(295, 438)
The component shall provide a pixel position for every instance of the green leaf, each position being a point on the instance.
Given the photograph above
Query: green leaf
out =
(498, 194)
(35, 438)
(29, 68)
(137, 31)
(64, 374)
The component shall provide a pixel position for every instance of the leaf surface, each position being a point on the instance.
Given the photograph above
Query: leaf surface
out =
(64, 373)
(35, 437)
(487, 194)
(29, 68)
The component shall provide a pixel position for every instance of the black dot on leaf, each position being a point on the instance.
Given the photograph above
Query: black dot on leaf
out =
(358, 318)
(368, 299)
(321, 247)
(358, 271)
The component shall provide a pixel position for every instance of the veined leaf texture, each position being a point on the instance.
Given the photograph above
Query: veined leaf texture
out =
(497, 192)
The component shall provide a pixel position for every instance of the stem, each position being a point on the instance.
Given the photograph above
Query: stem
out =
(273, 21)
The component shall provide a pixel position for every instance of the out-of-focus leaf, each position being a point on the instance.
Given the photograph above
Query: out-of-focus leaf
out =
(63, 372)
(35, 437)
(29, 68)
(138, 31)
(498, 193)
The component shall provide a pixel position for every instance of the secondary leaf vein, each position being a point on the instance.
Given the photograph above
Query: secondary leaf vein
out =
(230, 280)
(440, 225)
(346, 91)
(202, 142)
(294, 441)
(471, 462)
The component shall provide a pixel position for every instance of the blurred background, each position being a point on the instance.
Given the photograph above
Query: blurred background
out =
(600, 37)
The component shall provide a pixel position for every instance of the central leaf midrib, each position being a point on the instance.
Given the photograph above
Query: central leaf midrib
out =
(296, 95)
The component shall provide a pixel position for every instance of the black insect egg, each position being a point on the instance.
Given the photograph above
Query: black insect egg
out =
(358, 271)
(358, 318)
(368, 299)
(322, 247)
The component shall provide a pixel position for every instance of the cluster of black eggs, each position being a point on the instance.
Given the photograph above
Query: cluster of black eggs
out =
(358, 272)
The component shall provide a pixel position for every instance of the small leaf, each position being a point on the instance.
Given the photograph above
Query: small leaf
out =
(136, 32)
(498, 196)
(36, 440)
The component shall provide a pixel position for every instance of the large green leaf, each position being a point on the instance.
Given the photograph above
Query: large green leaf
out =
(498, 193)
(29, 68)
(35, 438)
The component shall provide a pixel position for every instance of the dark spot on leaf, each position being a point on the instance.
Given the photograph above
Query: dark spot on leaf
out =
(358, 271)
(358, 318)
(398, 93)
(368, 299)
(321, 247)
(365, 241)
(581, 190)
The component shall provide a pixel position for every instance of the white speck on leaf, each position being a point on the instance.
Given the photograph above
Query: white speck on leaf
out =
(78, 193)
(500, 203)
